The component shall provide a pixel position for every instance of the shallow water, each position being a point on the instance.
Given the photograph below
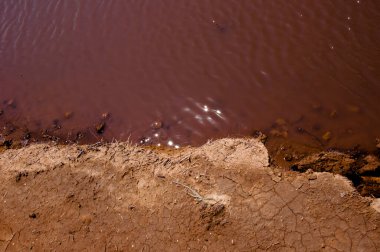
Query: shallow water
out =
(205, 69)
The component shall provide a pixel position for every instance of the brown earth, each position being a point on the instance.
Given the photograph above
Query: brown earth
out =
(224, 195)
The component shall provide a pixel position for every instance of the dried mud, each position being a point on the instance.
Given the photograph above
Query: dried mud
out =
(224, 195)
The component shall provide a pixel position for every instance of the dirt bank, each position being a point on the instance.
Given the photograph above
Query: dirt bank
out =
(224, 195)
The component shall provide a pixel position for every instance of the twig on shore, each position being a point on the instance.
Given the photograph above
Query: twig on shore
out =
(9, 242)
(191, 192)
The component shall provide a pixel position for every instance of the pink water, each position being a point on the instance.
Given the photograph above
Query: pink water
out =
(205, 69)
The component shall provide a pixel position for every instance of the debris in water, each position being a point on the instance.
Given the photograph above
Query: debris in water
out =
(106, 115)
(327, 136)
(157, 125)
(333, 113)
(68, 115)
(100, 128)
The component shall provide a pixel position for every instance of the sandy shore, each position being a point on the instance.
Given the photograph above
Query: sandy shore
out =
(224, 195)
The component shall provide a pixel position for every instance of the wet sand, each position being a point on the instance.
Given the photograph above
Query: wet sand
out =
(225, 195)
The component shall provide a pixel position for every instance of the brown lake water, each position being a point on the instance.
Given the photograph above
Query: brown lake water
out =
(202, 69)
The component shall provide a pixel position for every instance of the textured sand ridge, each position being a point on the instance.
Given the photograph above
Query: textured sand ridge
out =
(223, 195)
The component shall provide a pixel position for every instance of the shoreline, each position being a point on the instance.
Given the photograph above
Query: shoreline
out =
(227, 194)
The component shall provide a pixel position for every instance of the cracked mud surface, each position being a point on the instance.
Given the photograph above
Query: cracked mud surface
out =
(222, 196)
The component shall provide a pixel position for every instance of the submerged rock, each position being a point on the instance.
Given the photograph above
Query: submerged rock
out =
(334, 162)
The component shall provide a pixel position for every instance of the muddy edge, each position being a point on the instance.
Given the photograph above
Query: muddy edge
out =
(223, 195)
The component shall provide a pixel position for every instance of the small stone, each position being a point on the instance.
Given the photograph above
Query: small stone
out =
(1, 112)
(7, 143)
(260, 136)
(372, 165)
(100, 127)
(11, 103)
(276, 179)
(68, 115)
(131, 207)
(378, 143)
(376, 204)
(157, 125)
(56, 124)
(33, 215)
(300, 130)
(288, 157)
(333, 113)
(309, 171)
(27, 135)
(86, 219)
(312, 176)
(327, 136)
(105, 115)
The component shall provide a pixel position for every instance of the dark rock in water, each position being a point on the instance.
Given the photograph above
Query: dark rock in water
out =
(100, 127)
(288, 157)
(27, 136)
(334, 162)
(362, 170)
(372, 166)
(326, 136)
(7, 143)
(300, 130)
(260, 135)
(79, 136)
(56, 124)
(8, 129)
(1, 112)
(370, 186)
(32, 215)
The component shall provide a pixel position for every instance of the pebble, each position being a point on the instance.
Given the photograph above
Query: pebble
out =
(157, 125)
(68, 115)
(86, 219)
(353, 108)
(288, 157)
(312, 176)
(11, 103)
(100, 127)
(333, 113)
(327, 136)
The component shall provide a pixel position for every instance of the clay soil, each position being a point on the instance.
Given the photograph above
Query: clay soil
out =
(222, 196)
